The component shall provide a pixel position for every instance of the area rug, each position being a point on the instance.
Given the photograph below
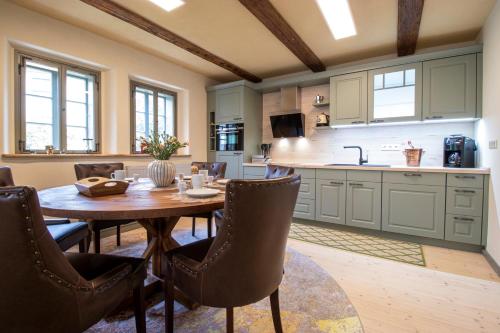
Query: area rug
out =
(310, 301)
(401, 251)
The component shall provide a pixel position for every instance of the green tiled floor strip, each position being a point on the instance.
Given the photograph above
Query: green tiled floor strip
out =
(406, 252)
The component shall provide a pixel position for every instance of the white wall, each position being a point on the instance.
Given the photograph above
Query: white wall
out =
(326, 145)
(22, 28)
(489, 127)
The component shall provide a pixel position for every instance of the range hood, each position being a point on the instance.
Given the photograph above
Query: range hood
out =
(289, 123)
(290, 99)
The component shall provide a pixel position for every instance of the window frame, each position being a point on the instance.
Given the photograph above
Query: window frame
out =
(156, 91)
(418, 91)
(60, 109)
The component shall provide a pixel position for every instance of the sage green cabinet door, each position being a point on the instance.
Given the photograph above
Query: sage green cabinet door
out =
(307, 189)
(229, 105)
(413, 209)
(349, 99)
(304, 209)
(330, 201)
(234, 167)
(450, 88)
(464, 229)
(464, 201)
(363, 205)
(251, 172)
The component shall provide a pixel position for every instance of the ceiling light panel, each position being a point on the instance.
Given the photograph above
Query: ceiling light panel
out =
(338, 16)
(168, 5)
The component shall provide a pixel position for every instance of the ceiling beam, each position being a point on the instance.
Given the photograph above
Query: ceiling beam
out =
(265, 12)
(143, 23)
(409, 16)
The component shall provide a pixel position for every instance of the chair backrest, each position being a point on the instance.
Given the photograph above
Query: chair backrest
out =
(96, 170)
(245, 261)
(6, 177)
(277, 171)
(216, 169)
(38, 286)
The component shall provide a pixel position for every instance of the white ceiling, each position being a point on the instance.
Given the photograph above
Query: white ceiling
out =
(229, 30)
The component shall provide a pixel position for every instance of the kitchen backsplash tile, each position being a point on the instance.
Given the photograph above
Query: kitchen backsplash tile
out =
(325, 145)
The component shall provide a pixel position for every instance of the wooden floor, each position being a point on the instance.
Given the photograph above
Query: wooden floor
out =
(457, 292)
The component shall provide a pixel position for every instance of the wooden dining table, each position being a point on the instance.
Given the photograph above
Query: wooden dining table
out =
(156, 209)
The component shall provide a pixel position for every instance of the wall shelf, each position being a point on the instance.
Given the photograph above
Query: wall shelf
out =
(322, 104)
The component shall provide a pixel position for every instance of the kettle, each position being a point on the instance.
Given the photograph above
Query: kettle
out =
(323, 120)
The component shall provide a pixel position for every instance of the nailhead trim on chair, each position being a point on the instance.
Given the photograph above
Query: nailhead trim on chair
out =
(36, 251)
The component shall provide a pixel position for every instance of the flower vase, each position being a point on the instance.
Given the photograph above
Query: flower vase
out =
(161, 172)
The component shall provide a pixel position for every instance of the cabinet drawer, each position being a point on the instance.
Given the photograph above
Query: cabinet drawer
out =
(307, 189)
(415, 178)
(365, 176)
(464, 201)
(465, 180)
(331, 174)
(254, 172)
(305, 209)
(306, 173)
(464, 229)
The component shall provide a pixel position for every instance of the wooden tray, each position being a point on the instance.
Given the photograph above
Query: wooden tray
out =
(100, 186)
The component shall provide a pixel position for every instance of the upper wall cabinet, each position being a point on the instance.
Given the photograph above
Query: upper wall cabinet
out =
(229, 105)
(395, 93)
(450, 88)
(348, 99)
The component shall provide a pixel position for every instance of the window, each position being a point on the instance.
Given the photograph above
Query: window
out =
(57, 105)
(395, 93)
(153, 110)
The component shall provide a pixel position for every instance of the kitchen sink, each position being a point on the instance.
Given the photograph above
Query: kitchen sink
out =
(363, 165)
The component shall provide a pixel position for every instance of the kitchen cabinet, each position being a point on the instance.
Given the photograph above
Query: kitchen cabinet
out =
(363, 204)
(464, 201)
(253, 172)
(449, 88)
(304, 209)
(348, 99)
(330, 200)
(395, 93)
(464, 229)
(413, 209)
(229, 105)
(234, 160)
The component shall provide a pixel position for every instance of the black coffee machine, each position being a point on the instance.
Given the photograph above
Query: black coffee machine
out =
(459, 152)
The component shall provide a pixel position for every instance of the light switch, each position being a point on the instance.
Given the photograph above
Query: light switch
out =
(493, 144)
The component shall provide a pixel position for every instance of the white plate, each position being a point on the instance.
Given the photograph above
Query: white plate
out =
(223, 181)
(202, 192)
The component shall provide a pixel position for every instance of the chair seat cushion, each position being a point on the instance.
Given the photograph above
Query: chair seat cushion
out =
(69, 234)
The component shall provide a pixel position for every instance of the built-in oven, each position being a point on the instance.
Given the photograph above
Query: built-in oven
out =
(229, 137)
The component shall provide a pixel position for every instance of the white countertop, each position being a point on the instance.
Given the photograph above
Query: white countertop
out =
(481, 171)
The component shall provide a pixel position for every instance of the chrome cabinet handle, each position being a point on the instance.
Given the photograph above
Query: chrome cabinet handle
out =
(434, 117)
(377, 121)
(355, 184)
(463, 219)
(465, 177)
(336, 183)
(413, 174)
(465, 191)
(357, 122)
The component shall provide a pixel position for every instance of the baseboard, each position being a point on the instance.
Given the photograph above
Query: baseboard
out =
(492, 262)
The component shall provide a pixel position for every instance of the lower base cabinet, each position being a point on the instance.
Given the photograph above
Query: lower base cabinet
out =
(464, 229)
(364, 204)
(305, 209)
(330, 201)
(234, 160)
(417, 210)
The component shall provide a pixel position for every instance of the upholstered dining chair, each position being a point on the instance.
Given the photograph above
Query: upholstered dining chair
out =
(218, 171)
(96, 226)
(65, 233)
(45, 290)
(244, 262)
(272, 171)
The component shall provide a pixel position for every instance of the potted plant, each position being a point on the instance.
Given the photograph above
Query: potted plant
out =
(161, 147)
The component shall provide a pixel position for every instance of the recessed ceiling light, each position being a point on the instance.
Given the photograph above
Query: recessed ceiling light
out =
(168, 5)
(338, 16)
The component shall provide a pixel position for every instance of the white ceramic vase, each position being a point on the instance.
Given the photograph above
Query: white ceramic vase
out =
(161, 172)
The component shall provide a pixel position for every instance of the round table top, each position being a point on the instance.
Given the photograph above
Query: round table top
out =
(141, 201)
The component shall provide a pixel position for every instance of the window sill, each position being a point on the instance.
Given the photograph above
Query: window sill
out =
(79, 156)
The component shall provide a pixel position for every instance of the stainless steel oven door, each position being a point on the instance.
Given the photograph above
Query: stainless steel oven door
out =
(229, 137)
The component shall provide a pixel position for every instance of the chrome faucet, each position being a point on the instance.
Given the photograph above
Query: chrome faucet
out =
(361, 160)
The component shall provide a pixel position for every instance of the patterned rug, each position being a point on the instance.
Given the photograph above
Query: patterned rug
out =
(310, 301)
(406, 252)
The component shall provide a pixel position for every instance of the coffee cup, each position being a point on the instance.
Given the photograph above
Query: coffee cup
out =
(204, 173)
(118, 175)
(197, 181)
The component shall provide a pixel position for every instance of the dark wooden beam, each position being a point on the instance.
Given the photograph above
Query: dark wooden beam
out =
(143, 23)
(265, 12)
(409, 16)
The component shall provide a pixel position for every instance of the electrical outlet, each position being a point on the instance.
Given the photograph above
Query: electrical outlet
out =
(493, 144)
(391, 147)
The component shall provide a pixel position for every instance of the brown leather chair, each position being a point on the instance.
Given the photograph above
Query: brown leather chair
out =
(101, 170)
(65, 233)
(244, 262)
(272, 171)
(218, 171)
(44, 290)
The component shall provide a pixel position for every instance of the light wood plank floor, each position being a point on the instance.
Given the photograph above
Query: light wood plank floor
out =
(457, 292)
